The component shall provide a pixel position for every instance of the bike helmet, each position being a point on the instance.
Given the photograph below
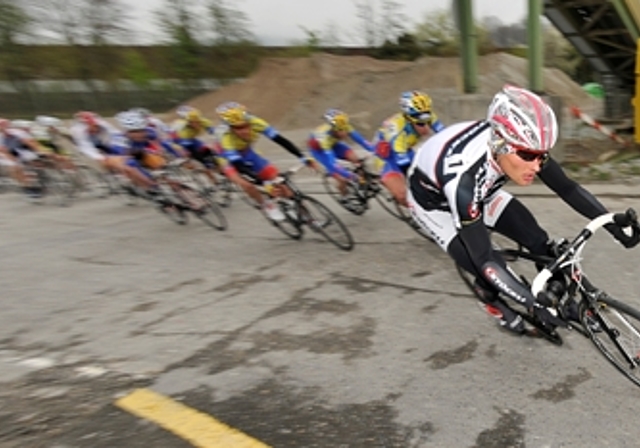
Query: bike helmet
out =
(338, 120)
(24, 125)
(146, 113)
(416, 106)
(193, 115)
(47, 122)
(183, 110)
(521, 121)
(233, 114)
(131, 121)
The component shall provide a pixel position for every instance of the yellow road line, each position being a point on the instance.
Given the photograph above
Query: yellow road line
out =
(200, 429)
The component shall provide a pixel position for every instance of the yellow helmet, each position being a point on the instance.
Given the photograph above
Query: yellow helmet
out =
(193, 115)
(416, 106)
(233, 114)
(338, 120)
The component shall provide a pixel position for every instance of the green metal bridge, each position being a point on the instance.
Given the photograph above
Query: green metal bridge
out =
(607, 34)
(604, 32)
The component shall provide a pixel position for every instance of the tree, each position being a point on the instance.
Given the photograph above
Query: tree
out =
(392, 22)
(439, 34)
(82, 22)
(230, 26)
(14, 24)
(366, 14)
(180, 24)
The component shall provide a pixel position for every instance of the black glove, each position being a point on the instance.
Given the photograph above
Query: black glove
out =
(628, 240)
(547, 318)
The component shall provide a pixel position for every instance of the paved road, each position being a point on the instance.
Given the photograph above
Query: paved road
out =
(298, 344)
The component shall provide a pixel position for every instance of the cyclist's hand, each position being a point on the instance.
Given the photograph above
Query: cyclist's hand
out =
(625, 229)
(311, 163)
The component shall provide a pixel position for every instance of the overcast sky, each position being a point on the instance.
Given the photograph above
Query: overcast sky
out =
(281, 22)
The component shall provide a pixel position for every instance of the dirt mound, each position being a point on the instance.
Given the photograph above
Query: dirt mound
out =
(292, 93)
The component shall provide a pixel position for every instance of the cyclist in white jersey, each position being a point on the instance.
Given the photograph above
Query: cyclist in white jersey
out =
(454, 192)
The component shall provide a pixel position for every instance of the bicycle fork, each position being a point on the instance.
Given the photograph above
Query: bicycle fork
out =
(611, 330)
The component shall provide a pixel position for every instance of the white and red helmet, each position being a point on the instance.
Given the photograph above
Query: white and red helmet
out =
(521, 121)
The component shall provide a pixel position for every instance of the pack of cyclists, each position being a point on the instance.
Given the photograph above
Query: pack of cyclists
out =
(450, 177)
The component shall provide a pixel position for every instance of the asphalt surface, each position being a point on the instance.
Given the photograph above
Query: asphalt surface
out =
(295, 343)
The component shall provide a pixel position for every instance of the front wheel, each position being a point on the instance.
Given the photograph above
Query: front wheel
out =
(322, 220)
(388, 202)
(614, 328)
(212, 215)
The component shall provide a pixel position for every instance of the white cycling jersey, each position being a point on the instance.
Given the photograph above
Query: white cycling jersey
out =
(95, 146)
(457, 181)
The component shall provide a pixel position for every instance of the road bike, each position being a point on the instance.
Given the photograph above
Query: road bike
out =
(195, 174)
(577, 304)
(175, 199)
(300, 210)
(364, 186)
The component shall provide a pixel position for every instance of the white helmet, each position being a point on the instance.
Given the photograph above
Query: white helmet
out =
(131, 121)
(184, 110)
(46, 121)
(521, 120)
(22, 124)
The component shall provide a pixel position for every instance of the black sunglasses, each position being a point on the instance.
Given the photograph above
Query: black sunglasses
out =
(530, 156)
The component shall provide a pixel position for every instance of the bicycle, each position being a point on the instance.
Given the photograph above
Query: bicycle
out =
(45, 176)
(364, 186)
(301, 210)
(612, 326)
(193, 173)
(175, 198)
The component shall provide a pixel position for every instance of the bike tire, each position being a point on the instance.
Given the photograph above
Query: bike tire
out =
(90, 181)
(56, 185)
(319, 218)
(291, 225)
(388, 202)
(352, 201)
(224, 191)
(211, 214)
(624, 322)
(174, 212)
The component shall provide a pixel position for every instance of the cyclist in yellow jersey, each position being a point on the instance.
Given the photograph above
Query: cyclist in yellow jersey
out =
(397, 136)
(327, 143)
(189, 131)
(235, 137)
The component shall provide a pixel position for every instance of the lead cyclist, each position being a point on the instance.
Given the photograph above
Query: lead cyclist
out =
(455, 193)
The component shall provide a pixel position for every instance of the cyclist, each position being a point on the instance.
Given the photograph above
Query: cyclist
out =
(327, 143)
(97, 139)
(140, 145)
(395, 139)
(51, 133)
(188, 132)
(235, 137)
(17, 147)
(454, 192)
(162, 129)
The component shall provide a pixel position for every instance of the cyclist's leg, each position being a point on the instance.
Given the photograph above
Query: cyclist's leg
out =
(233, 171)
(393, 179)
(132, 169)
(15, 166)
